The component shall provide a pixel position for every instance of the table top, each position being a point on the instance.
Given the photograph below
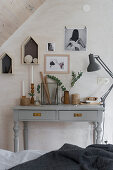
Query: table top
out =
(61, 107)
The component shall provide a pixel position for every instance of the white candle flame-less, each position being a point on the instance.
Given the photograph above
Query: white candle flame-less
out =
(23, 88)
(32, 74)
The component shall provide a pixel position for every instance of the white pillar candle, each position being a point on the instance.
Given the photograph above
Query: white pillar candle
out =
(23, 88)
(32, 75)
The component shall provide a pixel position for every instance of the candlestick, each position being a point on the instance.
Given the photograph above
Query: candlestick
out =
(32, 74)
(32, 92)
(23, 88)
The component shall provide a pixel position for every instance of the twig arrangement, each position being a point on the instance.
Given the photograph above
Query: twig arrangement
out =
(58, 81)
(45, 87)
(75, 77)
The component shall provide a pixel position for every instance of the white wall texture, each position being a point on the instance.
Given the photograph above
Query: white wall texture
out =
(47, 25)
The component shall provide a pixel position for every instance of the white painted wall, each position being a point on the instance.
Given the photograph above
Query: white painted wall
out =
(46, 25)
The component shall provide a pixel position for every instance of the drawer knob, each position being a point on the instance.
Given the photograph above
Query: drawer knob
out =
(77, 114)
(36, 114)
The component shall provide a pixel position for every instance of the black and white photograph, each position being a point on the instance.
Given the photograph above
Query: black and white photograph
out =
(56, 63)
(75, 39)
(50, 46)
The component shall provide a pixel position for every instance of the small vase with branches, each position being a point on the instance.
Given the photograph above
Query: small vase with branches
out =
(75, 78)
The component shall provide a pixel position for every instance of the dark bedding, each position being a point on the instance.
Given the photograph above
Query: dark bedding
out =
(72, 157)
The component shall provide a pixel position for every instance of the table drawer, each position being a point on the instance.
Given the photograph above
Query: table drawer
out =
(37, 115)
(78, 115)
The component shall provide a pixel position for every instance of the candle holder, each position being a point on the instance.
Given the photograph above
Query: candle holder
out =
(32, 93)
(23, 97)
(24, 101)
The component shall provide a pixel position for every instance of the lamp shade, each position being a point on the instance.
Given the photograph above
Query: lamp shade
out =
(93, 66)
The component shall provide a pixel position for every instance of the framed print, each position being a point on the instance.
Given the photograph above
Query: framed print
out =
(56, 64)
(50, 46)
(75, 39)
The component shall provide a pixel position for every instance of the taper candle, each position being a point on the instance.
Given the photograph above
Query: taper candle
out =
(32, 75)
(23, 88)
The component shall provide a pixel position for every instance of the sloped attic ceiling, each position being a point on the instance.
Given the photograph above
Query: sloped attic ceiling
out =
(13, 14)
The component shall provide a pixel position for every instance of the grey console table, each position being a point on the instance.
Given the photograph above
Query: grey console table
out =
(84, 113)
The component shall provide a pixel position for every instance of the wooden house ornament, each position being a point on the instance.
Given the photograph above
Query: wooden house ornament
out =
(29, 51)
(6, 64)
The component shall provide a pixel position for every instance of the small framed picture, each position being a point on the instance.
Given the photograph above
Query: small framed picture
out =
(56, 64)
(75, 39)
(50, 46)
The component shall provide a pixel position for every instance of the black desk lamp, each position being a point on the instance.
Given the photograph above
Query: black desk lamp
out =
(93, 66)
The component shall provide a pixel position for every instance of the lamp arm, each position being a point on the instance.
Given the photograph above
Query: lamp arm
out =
(103, 98)
(104, 66)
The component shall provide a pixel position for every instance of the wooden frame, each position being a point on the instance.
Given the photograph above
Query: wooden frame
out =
(31, 50)
(7, 68)
(50, 46)
(56, 64)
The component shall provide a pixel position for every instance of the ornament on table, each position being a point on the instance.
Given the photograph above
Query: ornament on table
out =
(35, 60)
(28, 59)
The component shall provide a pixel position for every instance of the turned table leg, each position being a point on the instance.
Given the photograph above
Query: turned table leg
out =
(94, 132)
(26, 135)
(16, 136)
(99, 131)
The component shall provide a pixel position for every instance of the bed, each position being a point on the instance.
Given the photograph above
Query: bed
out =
(10, 159)
(68, 157)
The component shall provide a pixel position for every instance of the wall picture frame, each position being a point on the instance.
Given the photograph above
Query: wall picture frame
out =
(56, 63)
(50, 46)
(75, 39)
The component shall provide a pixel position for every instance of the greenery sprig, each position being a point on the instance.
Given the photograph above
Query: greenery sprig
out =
(31, 94)
(75, 77)
(58, 82)
(38, 91)
(38, 88)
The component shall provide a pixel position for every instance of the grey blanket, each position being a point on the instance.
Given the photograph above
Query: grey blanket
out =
(72, 157)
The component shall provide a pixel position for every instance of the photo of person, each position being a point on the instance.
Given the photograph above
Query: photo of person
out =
(75, 39)
(50, 46)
